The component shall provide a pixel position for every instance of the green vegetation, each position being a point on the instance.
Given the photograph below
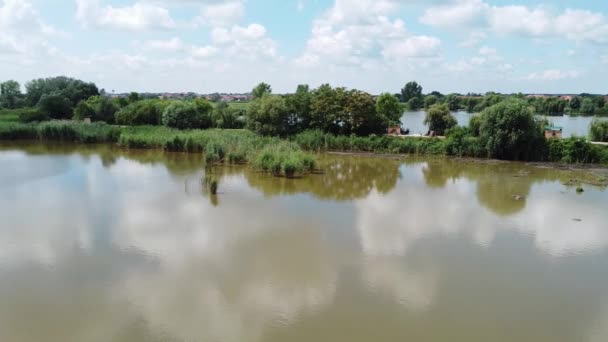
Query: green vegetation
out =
(281, 127)
(439, 119)
(599, 130)
(60, 131)
(509, 130)
(188, 115)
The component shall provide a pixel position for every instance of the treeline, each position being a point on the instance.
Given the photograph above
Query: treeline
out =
(64, 98)
(584, 104)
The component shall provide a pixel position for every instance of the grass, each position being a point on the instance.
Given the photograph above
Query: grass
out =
(278, 156)
(60, 131)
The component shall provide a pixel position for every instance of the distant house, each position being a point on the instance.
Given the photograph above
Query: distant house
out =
(553, 132)
(394, 130)
(566, 97)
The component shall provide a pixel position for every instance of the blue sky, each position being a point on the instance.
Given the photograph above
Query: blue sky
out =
(555, 46)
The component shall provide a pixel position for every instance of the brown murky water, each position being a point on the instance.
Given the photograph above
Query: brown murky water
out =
(98, 244)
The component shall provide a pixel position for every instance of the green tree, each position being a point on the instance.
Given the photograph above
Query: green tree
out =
(186, 115)
(104, 108)
(83, 110)
(587, 106)
(362, 116)
(430, 100)
(55, 106)
(410, 91)
(439, 119)
(10, 95)
(268, 115)
(414, 103)
(72, 89)
(508, 130)
(328, 109)
(575, 103)
(388, 107)
(260, 90)
(299, 105)
(225, 117)
(133, 97)
(453, 102)
(145, 112)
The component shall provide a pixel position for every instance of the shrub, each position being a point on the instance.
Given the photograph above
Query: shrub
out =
(186, 115)
(83, 110)
(147, 112)
(474, 125)
(598, 131)
(104, 108)
(32, 115)
(55, 106)
(509, 131)
(439, 118)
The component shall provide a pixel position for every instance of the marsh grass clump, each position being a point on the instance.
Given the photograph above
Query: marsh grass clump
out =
(284, 159)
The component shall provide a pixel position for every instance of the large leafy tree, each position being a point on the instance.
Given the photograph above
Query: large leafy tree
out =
(588, 106)
(453, 102)
(430, 100)
(575, 103)
(362, 116)
(269, 115)
(260, 90)
(72, 89)
(328, 109)
(299, 105)
(55, 106)
(187, 115)
(439, 118)
(10, 95)
(410, 91)
(83, 110)
(388, 107)
(508, 130)
(104, 108)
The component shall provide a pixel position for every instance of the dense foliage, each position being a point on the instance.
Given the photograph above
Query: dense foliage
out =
(56, 106)
(72, 89)
(146, 112)
(188, 114)
(509, 130)
(439, 119)
(599, 130)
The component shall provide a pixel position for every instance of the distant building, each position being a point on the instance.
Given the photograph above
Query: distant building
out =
(394, 130)
(566, 97)
(553, 132)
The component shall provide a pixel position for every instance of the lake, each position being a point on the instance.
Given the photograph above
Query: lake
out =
(102, 244)
(573, 125)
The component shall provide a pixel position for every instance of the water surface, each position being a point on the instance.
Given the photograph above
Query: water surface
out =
(98, 244)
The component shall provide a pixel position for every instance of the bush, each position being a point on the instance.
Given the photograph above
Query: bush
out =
(83, 111)
(474, 125)
(598, 131)
(574, 150)
(147, 112)
(55, 106)
(439, 118)
(186, 115)
(32, 115)
(509, 131)
(104, 108)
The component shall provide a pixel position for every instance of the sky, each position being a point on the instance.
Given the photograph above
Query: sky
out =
(205, 46)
